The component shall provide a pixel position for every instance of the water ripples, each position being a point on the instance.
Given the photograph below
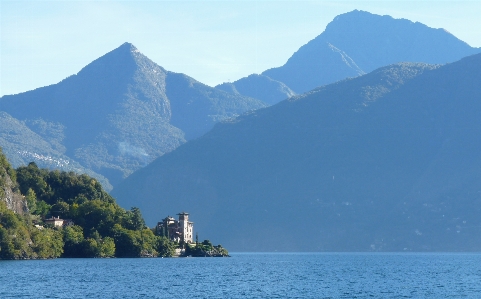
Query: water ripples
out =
(323, 275)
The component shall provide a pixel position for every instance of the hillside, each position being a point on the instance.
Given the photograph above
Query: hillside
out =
(259, 87)
(120, 112)
(387, 161)
(42, 146)
(353, 44)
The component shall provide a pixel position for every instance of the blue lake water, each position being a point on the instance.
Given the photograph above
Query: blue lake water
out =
(249, 275)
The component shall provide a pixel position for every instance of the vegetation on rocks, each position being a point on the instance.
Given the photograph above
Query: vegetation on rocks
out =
(100, 228)
(205, 249)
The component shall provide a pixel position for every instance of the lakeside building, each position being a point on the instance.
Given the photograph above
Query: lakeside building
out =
(181, 230)
(58, 222)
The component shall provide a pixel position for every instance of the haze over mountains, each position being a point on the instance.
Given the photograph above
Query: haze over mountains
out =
(353, 44)
(387, 161)
(122, 111)
(384, 160)
(119, 113)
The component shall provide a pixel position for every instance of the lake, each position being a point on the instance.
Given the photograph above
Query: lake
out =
(249, 275)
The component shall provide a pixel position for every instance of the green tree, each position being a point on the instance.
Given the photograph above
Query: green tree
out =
(165, 247)
(60, 209)
(14, 236)
(42, 208)
(134, 219)
(7, 249)
(107, 247)
(31, 198)
(48, 243)
(73, 238)
(31, 177)
(127, 242)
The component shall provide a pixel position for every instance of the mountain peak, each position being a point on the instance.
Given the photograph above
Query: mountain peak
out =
(124, 49)
(362, 20)
(127, 47)
(121, 59)
(364, 35)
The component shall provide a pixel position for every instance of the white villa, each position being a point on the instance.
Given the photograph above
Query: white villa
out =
(58, 222)
(181, 230)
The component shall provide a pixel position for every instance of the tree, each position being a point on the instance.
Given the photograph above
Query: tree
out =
(7, 250)
(31, 177)
(107, 247)
(73, 238)
(127, 242)
(42, 208)
(31, 198)
(134, 219)
(60, 209)
(48, 243)
(165, 247)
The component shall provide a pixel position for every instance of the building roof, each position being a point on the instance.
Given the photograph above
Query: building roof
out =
(54, 219)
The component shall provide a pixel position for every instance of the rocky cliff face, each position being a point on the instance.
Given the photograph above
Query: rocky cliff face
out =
(14, 200)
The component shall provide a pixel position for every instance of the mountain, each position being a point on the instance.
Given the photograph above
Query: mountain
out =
(356, 43)
(259, 87)
(122, 111)
(40, 142)
(387, 161)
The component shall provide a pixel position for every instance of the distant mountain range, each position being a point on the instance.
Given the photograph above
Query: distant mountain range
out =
(353, 44)
(388, 161)
(122, 111)
(115, 116)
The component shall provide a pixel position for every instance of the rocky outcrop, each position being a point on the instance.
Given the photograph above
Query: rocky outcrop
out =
(8, 193)
(14, 201)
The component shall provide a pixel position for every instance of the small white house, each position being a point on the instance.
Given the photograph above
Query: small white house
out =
(54, 221)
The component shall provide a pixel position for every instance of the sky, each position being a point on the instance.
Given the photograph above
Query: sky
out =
(43, 42)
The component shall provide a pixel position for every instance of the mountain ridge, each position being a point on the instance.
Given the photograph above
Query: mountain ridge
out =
(116, 112)
(357, 42)
(341, 168)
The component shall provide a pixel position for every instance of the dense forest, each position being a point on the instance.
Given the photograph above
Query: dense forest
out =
(98, 226)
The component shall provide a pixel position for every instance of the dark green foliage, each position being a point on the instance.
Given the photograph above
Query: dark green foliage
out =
(41, 208)
(102, 228)
(31, 198)
(31, 177)
(205, 249)
(73, 238)
(134, 219)
(48, 243)
(165, 247)
(7, 250)
(93, 246)
(143, 243)
(54, 186)
(19, 240)
(128, 242)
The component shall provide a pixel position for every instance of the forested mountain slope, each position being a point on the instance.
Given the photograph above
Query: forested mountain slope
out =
(387, 161)
(122, 111)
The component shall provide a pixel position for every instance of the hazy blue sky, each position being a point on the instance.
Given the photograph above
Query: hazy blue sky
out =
(43, 42)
